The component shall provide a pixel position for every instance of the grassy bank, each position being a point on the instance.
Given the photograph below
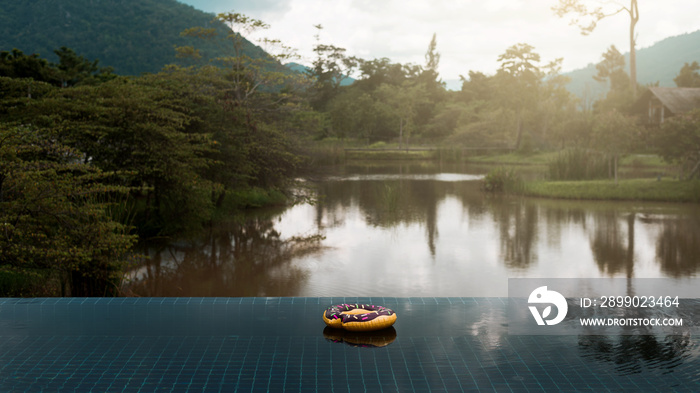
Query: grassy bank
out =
(516, 158)
(254, 197)
(665, 190)
(370, 154)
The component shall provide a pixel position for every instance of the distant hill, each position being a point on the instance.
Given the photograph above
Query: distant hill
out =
(133, 36)
(660, 62)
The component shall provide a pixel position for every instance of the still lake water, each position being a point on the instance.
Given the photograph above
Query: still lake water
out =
(422, 229)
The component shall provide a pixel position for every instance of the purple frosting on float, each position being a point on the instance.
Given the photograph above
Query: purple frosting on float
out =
(335, 312)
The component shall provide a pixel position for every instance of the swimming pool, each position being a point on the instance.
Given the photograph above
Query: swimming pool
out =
(278, 344)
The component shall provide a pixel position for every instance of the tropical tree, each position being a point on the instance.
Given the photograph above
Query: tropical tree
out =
(140, 131)
(678, 140)
(374, 73)
(587, 14)
(55, 221)
(71, 70)
(611, 70)
(403, 102)
(614, 134)
(556, 104)
(518, 81)
(15, 64)
(252, 74)
(476, 87)
(688, 75)
(330, 68)
(432, 61)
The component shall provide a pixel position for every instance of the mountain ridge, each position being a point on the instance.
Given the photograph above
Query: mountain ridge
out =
(132, 36)
(660, 62)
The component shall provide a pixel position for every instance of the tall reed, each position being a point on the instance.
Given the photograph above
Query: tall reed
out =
(578, 164)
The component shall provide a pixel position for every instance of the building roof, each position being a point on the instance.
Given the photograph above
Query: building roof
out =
(678, 99)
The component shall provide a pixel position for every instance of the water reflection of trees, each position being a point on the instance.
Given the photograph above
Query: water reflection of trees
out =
(245, 259)
(633, 354)
(613, 247)
(517, 222)
(384, 204)
(678, 247)
(521, 223)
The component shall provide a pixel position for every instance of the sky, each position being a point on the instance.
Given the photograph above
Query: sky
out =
(471, 34)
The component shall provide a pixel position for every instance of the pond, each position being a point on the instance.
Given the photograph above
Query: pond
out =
(421, 229)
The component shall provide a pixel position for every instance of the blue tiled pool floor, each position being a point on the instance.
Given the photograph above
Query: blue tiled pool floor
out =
(278, 345)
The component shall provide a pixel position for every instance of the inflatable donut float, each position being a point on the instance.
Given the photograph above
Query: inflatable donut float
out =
(359, 317)
(372, 339)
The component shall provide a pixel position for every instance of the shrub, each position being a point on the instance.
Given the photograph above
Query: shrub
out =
(503, 180)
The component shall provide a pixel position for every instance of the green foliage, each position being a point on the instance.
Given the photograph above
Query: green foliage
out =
(503, 179)
(166, 152)
(53, 215)
(251, 76)
(446, 119)
(28, 282)
(678, 141)
(177, 136)
(688, 75)
(519, 61)
(331, 68)
(139, 131)
(376, 72)
(241, 199)
(388, 101)
(16, 64)
(489, 127)
(578, 164)
(666, 190)
(612, 70)
(359, 114)
(614, 132)
(71, 69)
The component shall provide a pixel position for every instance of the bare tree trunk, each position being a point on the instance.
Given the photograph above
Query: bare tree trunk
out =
(519, 129)
(634, 18)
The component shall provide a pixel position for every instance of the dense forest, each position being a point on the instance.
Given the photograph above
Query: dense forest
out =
(131, 36)
(91, 161)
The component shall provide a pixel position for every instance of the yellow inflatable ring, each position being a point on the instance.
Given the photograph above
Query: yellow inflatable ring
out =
(359, 317)
(373, 339)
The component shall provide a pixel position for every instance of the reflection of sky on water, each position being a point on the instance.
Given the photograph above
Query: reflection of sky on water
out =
(446, 177)
(477, 243)
(417, 230)
(417, 237)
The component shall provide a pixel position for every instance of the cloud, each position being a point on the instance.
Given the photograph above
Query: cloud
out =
(470, 33)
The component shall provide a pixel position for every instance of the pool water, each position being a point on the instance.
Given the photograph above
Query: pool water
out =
(281, 344)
